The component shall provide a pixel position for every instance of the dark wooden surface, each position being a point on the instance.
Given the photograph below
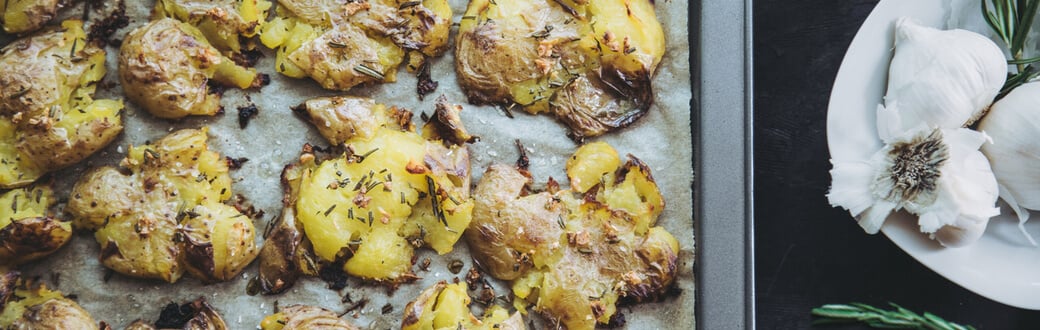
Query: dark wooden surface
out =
(807, 253)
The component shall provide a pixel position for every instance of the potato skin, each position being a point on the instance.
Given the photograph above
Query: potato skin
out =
(166, 215)
(573, 254)
(301, 317)
(27, 232)
(37, 307)
(164, 66)
(48, 118)
(203, 317)
(28, 15)
(589, 63)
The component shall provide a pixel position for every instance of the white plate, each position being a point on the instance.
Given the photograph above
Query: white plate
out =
(1002, 265)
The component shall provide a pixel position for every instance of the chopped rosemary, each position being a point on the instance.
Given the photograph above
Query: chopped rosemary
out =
(409, 4)
(364, 69)
(333, 207)
(878, 318)
(334, 44)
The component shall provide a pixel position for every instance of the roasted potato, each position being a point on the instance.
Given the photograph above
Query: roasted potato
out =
(27, 231)
(365, 211)
(341, 44)
(589, 63)
(298, 317)
(48, 117)
(225, 23)
(574, 253)
(164, 67)
(25, 305)
(162, 212)
(196, 315)
(446, 306)
(21, 16)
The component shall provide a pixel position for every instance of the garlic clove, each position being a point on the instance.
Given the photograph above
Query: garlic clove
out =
(966, 232)
(943, 79)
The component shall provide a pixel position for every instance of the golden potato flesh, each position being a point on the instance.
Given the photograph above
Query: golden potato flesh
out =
(298, 317)
(48, 117)
(342, 44)
(225, 23)
(27, 232)
(446, 306)
(390, 192)
(164, 67)
(20, 16)
(573, 254)
(162, 212)
(24, 305)
(589, 63)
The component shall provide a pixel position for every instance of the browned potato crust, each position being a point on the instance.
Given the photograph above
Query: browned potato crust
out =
(196, 315)
(27, 231)
(299, 317)
(26, 305)
(21, 16)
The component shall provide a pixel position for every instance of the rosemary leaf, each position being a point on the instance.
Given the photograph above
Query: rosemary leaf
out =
(900, 318)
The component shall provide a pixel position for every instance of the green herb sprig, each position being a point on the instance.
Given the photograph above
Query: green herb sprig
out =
(1012, 20)
(900, 318)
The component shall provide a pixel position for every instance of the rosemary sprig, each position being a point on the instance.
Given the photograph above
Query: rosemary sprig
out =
(900, 318)
(1012, 20)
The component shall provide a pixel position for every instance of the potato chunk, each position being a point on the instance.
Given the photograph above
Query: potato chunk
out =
(25, 305)
(48, 117)
(164, 67)
(27, 231)
(589, 63)
(573, 254)
(225, 23)
(21, 16)
(446, 306)
(342, 44)
(299, 317)
(195, 315)
(366, 210)
(164, 213)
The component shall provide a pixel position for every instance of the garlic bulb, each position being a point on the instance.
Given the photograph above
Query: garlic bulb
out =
(1014, 125)
(941, 78)
(937, 174)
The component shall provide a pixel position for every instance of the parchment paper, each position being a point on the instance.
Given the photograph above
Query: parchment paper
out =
(273, 139)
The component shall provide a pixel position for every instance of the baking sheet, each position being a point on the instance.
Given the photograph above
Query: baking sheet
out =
(662, 139)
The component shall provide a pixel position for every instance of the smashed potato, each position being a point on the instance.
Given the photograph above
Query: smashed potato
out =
(162, 212)
(25, 305)
(341, 44)
(365, 211)
(446, 306)
(27, 232)
(224, 23)
(573, 254)
(48, 117)
(164, 67)
(195, 315)
(589, 63)
(299, 317)
(21, 16)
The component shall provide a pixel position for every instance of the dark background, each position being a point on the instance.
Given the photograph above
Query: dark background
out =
(806, 253)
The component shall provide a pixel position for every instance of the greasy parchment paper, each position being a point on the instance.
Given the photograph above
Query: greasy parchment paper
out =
(273, 139)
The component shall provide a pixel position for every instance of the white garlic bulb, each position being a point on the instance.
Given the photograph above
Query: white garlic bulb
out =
(1014, 125)
(937, 174)
(940, 78)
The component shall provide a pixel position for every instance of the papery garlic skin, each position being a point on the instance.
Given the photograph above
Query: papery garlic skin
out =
(937, 174)
(939, 78)
(1014, 125)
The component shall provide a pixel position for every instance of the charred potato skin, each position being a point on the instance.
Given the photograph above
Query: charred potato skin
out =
(577, 252)
(21, 16)
(38, 307)
(301, 317)
(166, 215)
(195, 315)
(48, 117)
(27, 232)
(589, 63)
(445, 306)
